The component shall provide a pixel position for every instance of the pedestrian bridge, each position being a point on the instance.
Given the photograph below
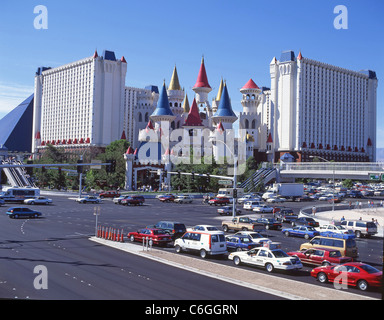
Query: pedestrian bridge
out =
(336, 170)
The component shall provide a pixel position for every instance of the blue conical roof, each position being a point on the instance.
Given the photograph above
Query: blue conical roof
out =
(163, 108)
(225, 107)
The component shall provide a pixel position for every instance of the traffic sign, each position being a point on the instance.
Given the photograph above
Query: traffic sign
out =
(226, 182)
(375, 176)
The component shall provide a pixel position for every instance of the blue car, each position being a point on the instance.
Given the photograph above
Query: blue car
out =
(301, 231)
(16, 212)
(240, 243)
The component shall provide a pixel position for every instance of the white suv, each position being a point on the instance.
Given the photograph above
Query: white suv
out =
(183, 199)
(360, 227)
(204, 242)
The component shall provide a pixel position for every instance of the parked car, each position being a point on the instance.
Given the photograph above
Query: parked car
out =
(255, 236)
(109, 194)
(38, 200)
(183, 199)
(248, 197)
(345, 243)
(88, 199)
(304, 198)
(219, 201)
(133, 200)
(249, 205)
(270, 223)
(301, 231)
(275, 199)
(227, 210)
(326, 197)
(354, 194)
(204, 242)
(360, 228)
(320, 257)
(156, 236)
(305, 221)
(162, 195)
(175, 229)
(286, 215)
(16, 212)
(270, 258)
(240, 242)
(203, 227)
(118, 199)
(263, 209)
(167, 198)
(357, 274)
(330, 229)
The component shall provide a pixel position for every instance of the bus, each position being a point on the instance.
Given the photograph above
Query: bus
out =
(228, 192)
(19, 194)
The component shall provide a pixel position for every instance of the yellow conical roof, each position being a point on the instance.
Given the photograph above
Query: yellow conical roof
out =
(186, 104)
(174, 84)
(220, 92)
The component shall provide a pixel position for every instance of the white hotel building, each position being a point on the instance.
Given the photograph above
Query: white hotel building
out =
(311, 109)
(316, 109)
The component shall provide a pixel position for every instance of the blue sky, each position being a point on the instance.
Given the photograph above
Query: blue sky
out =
(237, 38)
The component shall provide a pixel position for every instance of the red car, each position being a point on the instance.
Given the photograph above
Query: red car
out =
(355, 274)
(167, 198)
(157, 236)
(109, 194)
(221, 201)
(320, 256)
(133, 200)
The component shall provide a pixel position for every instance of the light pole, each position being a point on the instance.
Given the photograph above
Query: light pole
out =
(333, 184)
(235, 160)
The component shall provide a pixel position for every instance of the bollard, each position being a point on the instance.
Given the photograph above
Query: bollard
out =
(122, 236)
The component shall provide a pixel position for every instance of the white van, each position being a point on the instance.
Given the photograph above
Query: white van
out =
(204, 242)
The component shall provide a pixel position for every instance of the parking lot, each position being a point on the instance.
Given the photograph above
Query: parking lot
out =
(66, 218)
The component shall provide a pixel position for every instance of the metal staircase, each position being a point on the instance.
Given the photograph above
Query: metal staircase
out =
(263, 175)
(17, 177)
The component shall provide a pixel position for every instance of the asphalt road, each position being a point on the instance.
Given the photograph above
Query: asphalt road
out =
(80, 269)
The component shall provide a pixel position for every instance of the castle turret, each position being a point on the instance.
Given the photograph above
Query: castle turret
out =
(224, 112)
(202, 87)
(176, 97)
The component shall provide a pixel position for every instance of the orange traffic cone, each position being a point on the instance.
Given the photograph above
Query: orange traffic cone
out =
(122, 236)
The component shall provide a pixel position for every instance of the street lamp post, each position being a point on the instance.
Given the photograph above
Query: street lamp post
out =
(333, 178)
(235, 160)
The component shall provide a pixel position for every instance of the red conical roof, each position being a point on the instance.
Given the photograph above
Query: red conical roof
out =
(202, 79)
(220, 127)
(250, 85)
(149, 126)
(270, 140)
(95, 55)
(193, 118)
(300, 56)
(123, 59)
(123, 136)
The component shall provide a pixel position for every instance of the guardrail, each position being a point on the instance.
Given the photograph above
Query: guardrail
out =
(332, 166)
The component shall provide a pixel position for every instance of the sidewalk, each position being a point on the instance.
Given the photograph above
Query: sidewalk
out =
(281, 287)
(366, 214)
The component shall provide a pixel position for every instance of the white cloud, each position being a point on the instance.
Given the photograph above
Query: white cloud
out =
(11, 95)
